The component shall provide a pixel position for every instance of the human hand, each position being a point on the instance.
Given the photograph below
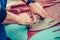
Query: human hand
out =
(25, 18)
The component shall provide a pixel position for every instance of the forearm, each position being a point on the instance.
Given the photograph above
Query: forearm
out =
(11, 18)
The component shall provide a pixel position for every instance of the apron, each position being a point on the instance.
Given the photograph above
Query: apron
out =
(16, 31)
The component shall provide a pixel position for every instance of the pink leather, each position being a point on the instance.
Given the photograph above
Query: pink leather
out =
(17, 9)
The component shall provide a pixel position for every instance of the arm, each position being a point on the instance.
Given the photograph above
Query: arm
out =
(2, 10)
(12, 18)
(2, 15)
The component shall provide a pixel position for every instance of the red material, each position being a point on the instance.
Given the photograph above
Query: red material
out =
(31, 33)
(17, 9)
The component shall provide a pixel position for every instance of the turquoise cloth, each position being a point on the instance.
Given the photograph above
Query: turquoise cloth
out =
(16, 31)
(47, 34)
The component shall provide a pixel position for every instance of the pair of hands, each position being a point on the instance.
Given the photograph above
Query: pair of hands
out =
(22, 18)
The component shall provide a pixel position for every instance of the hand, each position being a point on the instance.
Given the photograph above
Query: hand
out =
(25, 18)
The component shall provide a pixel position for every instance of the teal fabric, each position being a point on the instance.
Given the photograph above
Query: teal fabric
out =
(47, 34)
(16, 31)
